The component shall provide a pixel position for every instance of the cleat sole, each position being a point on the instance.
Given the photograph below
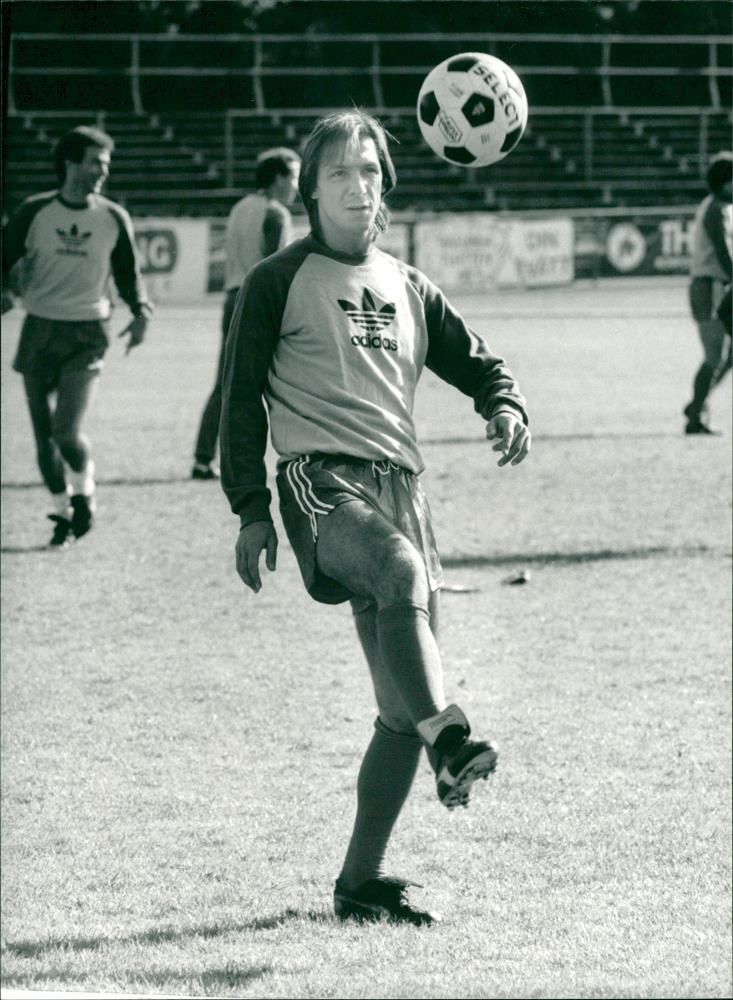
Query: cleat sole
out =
(482, 766)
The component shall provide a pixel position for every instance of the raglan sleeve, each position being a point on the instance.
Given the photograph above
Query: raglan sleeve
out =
(14, 236)
(250, 346)
(461, 357)
(126, 269)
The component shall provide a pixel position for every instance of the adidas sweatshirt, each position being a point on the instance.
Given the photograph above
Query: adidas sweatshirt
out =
(69, 253)
(330, 348)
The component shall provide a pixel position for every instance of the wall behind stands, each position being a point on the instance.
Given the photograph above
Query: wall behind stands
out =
(183, 259)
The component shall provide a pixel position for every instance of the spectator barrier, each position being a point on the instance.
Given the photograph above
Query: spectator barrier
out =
(183, 259)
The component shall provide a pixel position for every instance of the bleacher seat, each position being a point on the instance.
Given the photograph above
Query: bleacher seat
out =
(176, 163)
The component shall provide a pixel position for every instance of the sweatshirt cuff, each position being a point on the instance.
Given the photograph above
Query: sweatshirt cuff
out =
(256, 509)
(513, 408)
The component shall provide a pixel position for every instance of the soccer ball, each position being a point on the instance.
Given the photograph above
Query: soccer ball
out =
(472, 109)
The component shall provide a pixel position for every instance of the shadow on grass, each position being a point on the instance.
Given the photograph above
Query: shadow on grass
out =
(119, 481)
(563, 436)
(230, 976)
(11, 549)
(572, 558)
(160, 935)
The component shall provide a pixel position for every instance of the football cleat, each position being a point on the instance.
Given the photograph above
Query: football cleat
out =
(459, 770)
(62, 529)
(82, 515)
(381, 899)
(203, 471)
(461, 761)
(698, 427)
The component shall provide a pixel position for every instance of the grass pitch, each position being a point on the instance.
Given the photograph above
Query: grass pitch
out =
(180, 756)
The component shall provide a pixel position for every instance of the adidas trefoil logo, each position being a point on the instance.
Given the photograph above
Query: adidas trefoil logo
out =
(371, 320)
(74, 242)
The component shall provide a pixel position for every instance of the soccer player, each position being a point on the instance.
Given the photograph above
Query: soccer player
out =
(332, 334)
(69, 242)
(711, 270)
(258, 225)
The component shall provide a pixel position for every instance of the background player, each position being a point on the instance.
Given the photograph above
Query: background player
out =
(69, 242)
(711, 270)
(334, 334)
(258, 225)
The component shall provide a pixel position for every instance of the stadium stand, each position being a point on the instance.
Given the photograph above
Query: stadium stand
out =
(645, 115)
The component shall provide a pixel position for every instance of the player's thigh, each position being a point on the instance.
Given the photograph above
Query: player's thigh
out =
(360, 549)
(701, 298)
(37, 396)
(76, 391)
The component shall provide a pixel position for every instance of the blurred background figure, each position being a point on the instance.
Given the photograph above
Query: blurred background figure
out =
(68, 242)
(259, 225)
(711, 271)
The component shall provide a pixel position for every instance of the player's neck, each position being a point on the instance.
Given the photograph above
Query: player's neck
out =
(73, 193)
(349, 244)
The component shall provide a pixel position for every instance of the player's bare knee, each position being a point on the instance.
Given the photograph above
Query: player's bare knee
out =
(400, 577)
(713, 336)
(72, 449)
(65, 442)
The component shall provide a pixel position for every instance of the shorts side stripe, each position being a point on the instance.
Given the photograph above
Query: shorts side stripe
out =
(318, 506)
(301, 488)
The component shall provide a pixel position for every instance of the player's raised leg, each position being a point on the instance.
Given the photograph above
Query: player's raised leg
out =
(360, 549)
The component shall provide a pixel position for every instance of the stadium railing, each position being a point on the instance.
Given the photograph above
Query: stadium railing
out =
(265, 72)
(595, 151)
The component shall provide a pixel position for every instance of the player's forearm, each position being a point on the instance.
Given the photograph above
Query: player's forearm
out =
(243, 424)
(458, 355)
(127, 276)
(243, 471)
(498, 391)
(13, 248)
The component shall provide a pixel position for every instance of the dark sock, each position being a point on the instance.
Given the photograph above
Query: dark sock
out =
(410, 653)
(385, 778)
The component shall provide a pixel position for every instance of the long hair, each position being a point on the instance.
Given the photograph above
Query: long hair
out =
(345, 126)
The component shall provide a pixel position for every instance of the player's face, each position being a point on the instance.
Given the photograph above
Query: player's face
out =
(89, 175)
(349, 193)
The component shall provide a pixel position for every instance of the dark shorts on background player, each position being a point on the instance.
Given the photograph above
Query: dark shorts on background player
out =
(311, 486)
(49, 347)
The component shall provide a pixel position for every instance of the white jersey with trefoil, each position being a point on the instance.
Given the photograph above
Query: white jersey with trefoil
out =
(70, 253)
(333, 346)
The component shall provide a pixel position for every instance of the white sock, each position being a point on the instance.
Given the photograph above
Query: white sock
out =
(61, 505)
(83, 482)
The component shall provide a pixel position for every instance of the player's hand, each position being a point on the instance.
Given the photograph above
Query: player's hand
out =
(512, 437)
(136, 328)
(253, 538)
